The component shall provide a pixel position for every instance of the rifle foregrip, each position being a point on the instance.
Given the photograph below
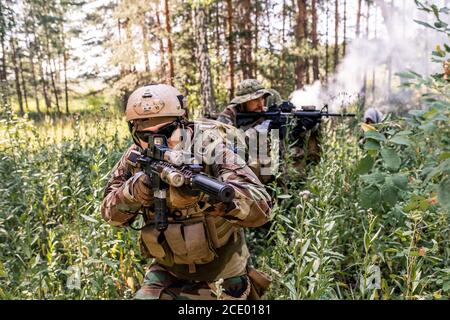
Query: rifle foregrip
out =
(219, 190)
(161, 213)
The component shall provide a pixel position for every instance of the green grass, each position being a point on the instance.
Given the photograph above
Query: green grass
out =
(55, 245)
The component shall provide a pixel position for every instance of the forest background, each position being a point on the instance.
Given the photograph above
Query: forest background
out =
(376, 223)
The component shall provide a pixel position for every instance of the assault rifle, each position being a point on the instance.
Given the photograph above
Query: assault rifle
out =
(166, 168)
(280, 116)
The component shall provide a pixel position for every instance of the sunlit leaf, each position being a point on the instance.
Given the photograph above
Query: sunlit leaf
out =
(376, 178)
(400, 139)
(370, 197)
(367, 127)
(365, 165)
(88, 218)
(423, 23)
(374, 135)
(400, 181)
(444, 193)
(391, 158)
(371, 145)
(389, 194)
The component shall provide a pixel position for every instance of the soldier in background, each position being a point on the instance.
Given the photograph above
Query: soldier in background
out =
(371, 116)
(251, 96)
(203, 253)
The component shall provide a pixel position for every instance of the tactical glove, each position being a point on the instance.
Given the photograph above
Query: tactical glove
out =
(182, 197)
(141, 188)
(307, 123)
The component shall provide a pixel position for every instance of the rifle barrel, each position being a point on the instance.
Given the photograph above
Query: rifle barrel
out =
(311, 114)
(339, 115)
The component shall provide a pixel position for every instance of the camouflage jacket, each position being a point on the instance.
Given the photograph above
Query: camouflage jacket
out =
(300, 152)
(229, 116)
(252, 207)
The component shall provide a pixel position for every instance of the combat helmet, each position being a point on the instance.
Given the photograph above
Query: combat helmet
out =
(152, 105)
(249, 89)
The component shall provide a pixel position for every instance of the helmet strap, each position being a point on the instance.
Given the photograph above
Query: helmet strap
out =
(132, 128)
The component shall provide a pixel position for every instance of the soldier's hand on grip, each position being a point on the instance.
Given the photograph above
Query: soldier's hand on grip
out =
(142, 188)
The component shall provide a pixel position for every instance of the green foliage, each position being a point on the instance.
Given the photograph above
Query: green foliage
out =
(54, 245)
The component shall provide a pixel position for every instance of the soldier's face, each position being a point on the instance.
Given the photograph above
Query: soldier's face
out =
(154, 129)
(256, 105)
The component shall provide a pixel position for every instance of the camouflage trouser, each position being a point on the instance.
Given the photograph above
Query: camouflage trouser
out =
(161, 284)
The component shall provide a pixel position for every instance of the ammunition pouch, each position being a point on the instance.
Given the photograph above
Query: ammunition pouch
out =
(190, 241)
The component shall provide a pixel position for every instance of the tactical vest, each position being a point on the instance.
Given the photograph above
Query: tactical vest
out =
(196, 233)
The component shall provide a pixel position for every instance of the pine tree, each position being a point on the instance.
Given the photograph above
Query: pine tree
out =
(199, 13)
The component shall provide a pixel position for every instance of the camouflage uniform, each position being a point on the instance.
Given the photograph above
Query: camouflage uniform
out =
(206, 245)
(250, 89)
(247, 90)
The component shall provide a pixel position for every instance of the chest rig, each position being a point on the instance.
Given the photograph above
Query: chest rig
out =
(192, 231)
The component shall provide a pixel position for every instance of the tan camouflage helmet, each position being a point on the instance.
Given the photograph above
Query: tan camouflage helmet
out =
(249, 89)
(154, 101)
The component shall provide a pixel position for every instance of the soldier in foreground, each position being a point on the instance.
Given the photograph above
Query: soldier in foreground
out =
(200, 252)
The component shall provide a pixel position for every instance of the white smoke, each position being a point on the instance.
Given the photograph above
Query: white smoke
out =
(308, 96)
(401, 44)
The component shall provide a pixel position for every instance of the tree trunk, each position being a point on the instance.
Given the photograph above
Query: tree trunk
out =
(358, 18)
(364, 88)
(52, 76)
(145, 44)
(306, 43)
(389, 82)
(24, 87)
(300, 65)
(119, 30)
(2, 40)
(255, 49)
(3, 69)
(128, 26)
(161, 47)
(48, 103)
(16, 74)
(31, 51)
(66, 87)
(206, 83)
(230, 47)
(217, 40)
(336, 34)
(269, 26)
(315, 41)
(40, 57)
(344, 43)
(373, 70)
(169, 41)
(245, 39)
(326, 42)
(283, 52)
